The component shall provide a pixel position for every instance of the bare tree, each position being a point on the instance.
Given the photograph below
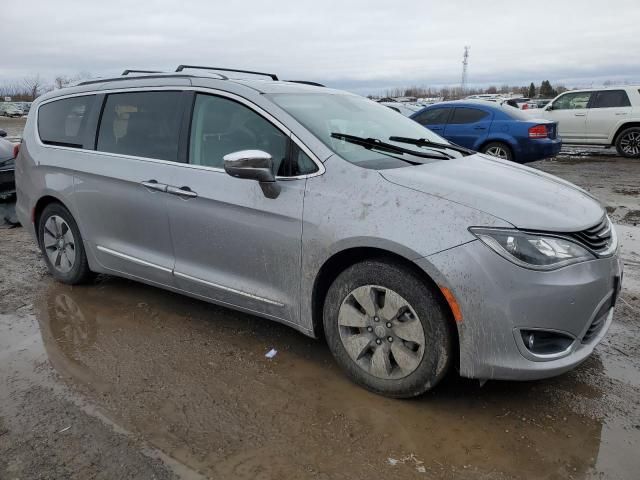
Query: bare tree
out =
(33, 86)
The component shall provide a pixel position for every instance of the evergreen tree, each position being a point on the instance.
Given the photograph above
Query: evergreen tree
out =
(532, 91)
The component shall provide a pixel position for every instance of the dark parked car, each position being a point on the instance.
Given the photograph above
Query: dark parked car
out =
(498, 130)
(7, 166)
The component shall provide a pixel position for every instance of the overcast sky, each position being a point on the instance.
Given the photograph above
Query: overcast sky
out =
(363, 46)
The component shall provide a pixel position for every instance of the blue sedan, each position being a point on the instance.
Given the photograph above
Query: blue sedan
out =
(499, 130)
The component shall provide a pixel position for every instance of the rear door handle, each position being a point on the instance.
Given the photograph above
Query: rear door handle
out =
(181, 191)
(479, 128)
(154, 185)
(580, 114)
(621, 113)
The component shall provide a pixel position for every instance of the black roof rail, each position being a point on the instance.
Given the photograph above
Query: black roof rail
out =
(127, 72)
(306, 82)
(116, 79)
(180, 68)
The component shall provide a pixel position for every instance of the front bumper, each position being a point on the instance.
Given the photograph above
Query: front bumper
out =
(498, 298)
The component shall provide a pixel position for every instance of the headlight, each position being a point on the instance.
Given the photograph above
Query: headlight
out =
(530, 250)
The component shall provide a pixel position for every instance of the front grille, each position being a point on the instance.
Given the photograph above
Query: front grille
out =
(597, 238)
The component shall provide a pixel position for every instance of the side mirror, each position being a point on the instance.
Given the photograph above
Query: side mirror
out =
(3, 133)
(549, 107)
(253, 165)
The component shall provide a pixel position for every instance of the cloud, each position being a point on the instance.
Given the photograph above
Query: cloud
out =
(360, 45)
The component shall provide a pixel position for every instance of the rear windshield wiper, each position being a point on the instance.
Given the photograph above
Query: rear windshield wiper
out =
(370, 143)
(423, 142)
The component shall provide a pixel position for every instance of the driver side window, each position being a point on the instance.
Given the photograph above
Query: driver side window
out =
(221, 126)
(572, 101)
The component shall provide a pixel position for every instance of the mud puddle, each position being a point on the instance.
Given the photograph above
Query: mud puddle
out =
(192, 381)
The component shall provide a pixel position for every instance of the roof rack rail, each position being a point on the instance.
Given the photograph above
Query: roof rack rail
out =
(180, 68)
(127, 72)
(306, 82)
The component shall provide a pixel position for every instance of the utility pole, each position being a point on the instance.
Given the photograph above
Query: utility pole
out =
(465, 62)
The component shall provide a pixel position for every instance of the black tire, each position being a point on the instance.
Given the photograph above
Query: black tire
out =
(491, 146)
(632, 135)
(79, 271)
(436, 324)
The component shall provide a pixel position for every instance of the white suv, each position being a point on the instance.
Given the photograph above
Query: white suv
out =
(607, 116)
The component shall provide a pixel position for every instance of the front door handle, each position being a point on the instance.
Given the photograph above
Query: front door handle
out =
(479, 128)
(580, 114)
(154, 185)
(182, 191)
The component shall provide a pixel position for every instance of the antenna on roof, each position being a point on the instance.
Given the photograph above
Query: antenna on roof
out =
(273, 76)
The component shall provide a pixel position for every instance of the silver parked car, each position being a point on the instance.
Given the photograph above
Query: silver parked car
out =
(324, 211)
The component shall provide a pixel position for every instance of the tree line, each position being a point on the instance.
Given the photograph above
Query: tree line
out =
(544, 90)
(30, 88)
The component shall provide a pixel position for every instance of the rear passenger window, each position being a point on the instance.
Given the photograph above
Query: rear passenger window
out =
(63, 122)
(467, 115)
(435, 116)
(221, 126)
(611, 98)
(141, 124)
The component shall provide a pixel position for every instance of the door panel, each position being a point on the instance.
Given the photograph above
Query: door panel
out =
(120, 189)
(125, 223)
(233, 244)
(606, 111)
(570, 111)
(236, 246)
(468, 127)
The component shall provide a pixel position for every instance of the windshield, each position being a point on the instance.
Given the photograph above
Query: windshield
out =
(325, 113)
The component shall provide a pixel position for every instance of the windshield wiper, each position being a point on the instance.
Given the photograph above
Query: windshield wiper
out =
(423, 142)
(370, 143)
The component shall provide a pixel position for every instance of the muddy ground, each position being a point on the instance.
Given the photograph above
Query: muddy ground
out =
(119, 380)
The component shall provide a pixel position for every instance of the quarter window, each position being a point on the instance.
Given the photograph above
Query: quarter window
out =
(463, 115)
(610, 99)
(572, 101)
(141, 124)
(64, 122)
(221, 126)
(434, 116)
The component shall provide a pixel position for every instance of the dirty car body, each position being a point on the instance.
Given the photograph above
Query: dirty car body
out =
(461, 224)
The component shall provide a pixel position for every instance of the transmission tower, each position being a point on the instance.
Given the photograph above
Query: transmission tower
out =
(465, 62)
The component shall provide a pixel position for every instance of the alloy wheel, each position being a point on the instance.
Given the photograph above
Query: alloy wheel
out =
(630, 143)
(498, 152)
(381, 332)
(59, 244)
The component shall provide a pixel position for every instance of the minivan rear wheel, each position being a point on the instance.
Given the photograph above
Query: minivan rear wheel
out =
(628, 143)
(62, 246)
(387, 329)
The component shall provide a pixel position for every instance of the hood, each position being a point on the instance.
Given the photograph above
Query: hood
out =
(522, 196)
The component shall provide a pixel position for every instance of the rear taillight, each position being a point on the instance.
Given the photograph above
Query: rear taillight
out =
(525, 107)
(539, 131)
(16, 150)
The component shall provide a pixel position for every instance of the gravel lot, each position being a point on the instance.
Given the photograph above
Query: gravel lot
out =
(121, 380)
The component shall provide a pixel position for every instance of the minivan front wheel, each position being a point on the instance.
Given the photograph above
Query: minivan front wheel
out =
(628, 143)
(62, 246)
(387, 329)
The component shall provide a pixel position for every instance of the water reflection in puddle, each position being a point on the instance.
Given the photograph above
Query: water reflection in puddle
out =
(192, 380)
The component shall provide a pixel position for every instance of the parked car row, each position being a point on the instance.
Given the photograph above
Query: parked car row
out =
(14, 109)
(536, 129)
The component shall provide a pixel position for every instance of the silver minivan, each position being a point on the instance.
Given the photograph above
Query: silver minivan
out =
(325, 211)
